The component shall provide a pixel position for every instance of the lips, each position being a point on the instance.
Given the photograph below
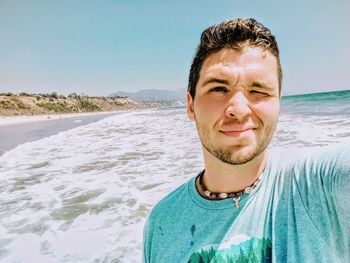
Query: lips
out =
(238, 131)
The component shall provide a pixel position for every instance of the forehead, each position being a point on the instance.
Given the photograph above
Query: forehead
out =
(249, 62)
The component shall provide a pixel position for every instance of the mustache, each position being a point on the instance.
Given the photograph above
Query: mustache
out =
(234, 122)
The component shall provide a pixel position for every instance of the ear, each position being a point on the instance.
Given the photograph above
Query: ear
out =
(190, 109)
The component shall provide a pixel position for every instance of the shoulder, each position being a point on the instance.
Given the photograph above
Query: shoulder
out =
(327, 157)
(325, 160)
(163, 216)
(326, 168)
(170, 204)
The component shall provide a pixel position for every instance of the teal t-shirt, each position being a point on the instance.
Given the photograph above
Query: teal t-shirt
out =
(299, 212)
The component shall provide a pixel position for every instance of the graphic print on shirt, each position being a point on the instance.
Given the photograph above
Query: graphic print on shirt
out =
(240, 248)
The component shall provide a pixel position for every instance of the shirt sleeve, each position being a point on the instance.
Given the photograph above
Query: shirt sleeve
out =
(324, 184)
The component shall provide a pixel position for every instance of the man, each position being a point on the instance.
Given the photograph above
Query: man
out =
(249, 204)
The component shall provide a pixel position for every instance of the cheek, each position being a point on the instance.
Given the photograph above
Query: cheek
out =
(268, 112)
(208, 108)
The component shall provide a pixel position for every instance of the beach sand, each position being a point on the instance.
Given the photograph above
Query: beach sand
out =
(17, 130)
(21, 119)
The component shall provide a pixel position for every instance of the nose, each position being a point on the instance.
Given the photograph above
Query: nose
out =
(238, 107)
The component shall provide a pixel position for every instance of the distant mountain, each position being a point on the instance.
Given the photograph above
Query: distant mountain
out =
(153, 95)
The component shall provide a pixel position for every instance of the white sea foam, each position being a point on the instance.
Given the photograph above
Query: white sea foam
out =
(83, 195)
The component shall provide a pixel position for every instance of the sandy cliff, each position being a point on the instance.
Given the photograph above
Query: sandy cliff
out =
(34, 104)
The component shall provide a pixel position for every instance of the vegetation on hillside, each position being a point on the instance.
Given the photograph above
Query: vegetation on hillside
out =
(33, 104)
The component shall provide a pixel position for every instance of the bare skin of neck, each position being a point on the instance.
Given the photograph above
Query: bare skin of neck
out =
(220, 177)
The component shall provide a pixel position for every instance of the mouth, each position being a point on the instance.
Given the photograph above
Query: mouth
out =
(241, 132)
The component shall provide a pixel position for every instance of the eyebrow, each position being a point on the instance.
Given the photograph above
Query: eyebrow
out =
(256, 83)
(215, 80)
(261, 84)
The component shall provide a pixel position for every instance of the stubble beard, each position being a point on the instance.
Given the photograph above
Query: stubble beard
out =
(236, 155)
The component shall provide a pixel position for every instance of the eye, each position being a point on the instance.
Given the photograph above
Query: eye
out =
(258, 93)
(219, 89)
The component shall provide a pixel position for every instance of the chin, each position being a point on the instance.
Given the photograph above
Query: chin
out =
(237, 155)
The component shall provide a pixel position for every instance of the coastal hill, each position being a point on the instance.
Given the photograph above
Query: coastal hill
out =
(156, 97)
(35, 104)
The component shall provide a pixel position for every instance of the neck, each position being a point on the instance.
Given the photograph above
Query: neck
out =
(222, 177)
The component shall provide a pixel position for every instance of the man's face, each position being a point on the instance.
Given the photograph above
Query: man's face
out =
(237, 103)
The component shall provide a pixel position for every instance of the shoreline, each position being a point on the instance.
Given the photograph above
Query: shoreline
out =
(22, 119)
(17, 130)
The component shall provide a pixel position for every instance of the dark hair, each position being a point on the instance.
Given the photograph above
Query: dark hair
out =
(235, 34)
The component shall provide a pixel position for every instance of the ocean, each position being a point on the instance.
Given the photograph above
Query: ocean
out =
(16, 134)
(83, 195)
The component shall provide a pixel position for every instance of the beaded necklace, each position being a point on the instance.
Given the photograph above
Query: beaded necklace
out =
(234, 195)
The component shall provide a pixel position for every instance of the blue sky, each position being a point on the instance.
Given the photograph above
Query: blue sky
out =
(99, 47)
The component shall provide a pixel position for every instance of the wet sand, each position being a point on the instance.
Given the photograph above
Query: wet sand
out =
(15, 131)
